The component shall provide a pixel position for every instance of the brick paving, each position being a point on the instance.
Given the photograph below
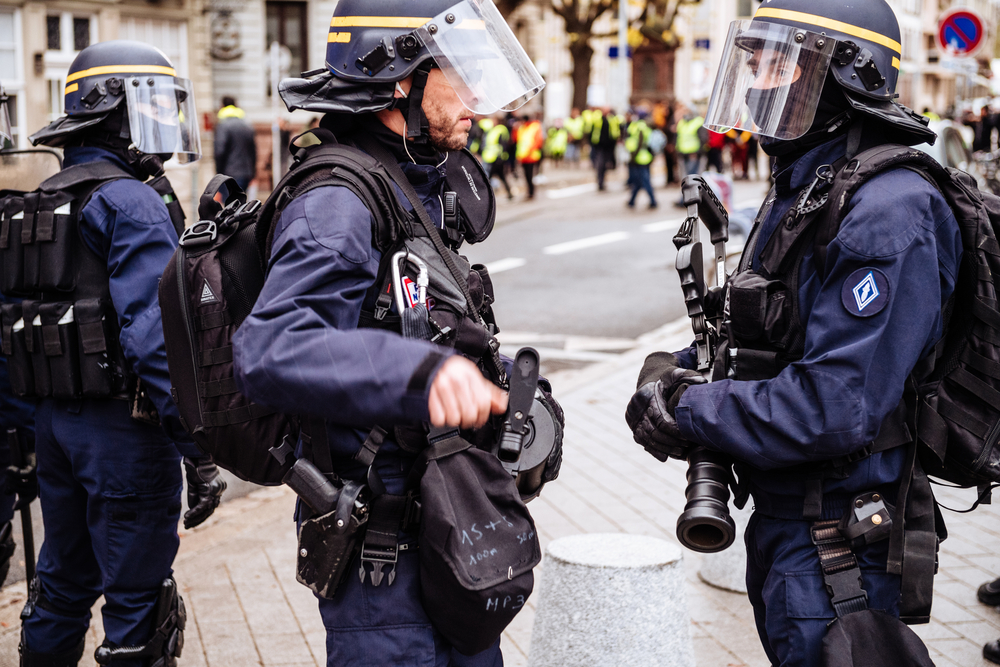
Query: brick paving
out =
(236, 572)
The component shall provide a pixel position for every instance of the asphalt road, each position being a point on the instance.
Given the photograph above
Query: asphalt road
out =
(576, 262)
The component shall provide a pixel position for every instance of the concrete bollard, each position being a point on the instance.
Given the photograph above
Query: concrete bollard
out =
(612, 599)
(728, 569)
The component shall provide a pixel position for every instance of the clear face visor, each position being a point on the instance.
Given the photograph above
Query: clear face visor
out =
(162, 117)
(770, 80)
(479, 55)
(6, 134)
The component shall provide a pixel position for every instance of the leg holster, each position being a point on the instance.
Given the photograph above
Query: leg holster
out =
(164, 647)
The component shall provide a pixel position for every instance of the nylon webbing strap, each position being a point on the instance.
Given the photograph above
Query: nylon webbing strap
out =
(384, 520)
(236, 415)
(212, 320)
(315, 443)
(215, 388)
(841, 573)
(371, 445)
(216, 355)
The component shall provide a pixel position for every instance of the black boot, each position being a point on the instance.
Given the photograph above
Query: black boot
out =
(992, 651)
(989, 593)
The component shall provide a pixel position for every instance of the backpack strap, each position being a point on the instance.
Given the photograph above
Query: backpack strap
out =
(841, 574)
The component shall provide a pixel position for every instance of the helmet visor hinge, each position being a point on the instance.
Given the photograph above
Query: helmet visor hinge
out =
(375, 60)
(845, 53)
(868, 72)
(408, 46)
(96, 94)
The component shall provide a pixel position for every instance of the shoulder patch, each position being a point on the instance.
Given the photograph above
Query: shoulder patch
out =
(865, 292)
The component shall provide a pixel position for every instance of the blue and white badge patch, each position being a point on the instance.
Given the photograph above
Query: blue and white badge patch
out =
(865, 292)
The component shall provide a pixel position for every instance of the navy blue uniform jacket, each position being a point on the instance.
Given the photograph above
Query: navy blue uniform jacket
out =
(127, 223)
(855, 364)
(300, 350)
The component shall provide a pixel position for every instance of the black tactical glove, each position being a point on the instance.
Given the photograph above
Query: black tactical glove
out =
(650, 413)
(205, 488)
(22, 481)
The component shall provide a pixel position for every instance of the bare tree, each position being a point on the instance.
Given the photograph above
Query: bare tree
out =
(507, 7)
(580, 16)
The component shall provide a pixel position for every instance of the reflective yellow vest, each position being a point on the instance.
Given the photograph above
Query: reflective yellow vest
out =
(556, 142)
(614, 128)
(687, 135)
(493, 144)
(638, 137)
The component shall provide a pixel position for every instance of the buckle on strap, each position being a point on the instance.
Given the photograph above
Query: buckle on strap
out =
(379, 557)
(841, 574)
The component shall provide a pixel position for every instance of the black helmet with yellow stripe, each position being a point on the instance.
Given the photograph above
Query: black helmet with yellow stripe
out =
(775, 68)
(159, 115)
(373, 44)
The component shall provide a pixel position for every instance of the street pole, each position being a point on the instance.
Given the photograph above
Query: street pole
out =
(624, 85)
(275, 110)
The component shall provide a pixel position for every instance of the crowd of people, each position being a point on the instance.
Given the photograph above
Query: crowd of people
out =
(673, 133)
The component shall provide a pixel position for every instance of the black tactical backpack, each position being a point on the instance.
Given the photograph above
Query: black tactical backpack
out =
(958, 394)
(211, 285)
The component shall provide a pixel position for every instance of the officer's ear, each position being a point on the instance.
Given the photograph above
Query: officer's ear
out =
(403, 87)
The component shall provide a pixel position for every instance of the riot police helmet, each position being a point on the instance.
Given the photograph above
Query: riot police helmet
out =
(372, 45)
(776, 68)
(6, 133)
(137, 81)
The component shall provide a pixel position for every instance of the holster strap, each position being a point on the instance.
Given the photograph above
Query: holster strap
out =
(841, 573)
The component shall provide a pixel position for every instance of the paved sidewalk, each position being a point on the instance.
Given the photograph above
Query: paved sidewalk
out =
(245, 608)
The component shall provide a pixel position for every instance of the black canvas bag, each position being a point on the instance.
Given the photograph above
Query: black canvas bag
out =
(872, 638)
(477, 543)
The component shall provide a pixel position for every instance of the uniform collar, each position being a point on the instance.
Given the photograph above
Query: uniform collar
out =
(75, 155)
(803, 171)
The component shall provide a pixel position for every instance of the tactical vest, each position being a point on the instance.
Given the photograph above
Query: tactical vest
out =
(62, 340)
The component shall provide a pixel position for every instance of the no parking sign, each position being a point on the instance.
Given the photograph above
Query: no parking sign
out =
(961, 32)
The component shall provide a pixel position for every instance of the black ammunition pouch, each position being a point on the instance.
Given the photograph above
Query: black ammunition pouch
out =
(66, 350)
(37, 244)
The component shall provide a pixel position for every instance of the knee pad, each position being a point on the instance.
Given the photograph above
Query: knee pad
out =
(164, 647)
(31, 658)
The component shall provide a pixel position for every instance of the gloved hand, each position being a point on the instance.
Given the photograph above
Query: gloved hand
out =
(650, 412)
(205, 487)
(23, 482)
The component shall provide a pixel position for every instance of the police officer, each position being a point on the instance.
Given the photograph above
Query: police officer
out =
(301, 349)
(818, 81)
(108, 438)
(17, 422)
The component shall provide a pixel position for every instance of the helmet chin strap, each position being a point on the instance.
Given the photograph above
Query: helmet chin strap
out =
(416, 123)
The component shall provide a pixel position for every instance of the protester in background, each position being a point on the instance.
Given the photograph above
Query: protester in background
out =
(716, 142)
(235, 149)
(575, 127)
(640, 157)
(738, 141)
(982, 128)
(670, 150)
(529, 141)
(604, 134)
(556, 142)
(688, 141)
(496, 147)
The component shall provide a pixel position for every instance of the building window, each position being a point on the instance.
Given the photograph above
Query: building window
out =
(11, 73)
(81, 33)
(649, 75)
(54, 33)
(168, 36)
(66, 33)
(286, 25)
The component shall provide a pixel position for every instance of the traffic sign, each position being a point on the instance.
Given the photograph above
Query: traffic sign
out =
(961, 32)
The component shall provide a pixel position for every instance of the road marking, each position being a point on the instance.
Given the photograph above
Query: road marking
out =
(565, 193)
(505, 264)
(580, 244)
(663, 226)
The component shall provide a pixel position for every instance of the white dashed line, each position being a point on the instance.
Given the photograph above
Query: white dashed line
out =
(580, 244)
(566, 193)
(505, 264)
(662, 226)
